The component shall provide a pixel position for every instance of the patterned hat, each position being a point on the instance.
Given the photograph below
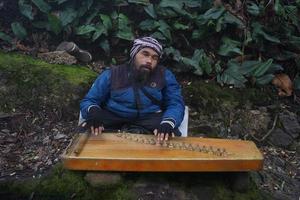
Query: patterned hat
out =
(144, 42)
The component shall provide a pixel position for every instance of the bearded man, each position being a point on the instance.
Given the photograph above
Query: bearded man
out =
(140, 93)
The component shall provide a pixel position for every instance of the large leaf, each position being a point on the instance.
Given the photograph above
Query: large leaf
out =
(142, 2)
(203, 62)
(19, 30)
(99, 30)
(104, 44)
(292, 13)
(42, 5)
(124, 28)
(257, 68)
(166, 13)
(61, 1)
(249, 66)
(25, 9)
(148, 25)
(231, 19)
(174, 53)
(158, 35)
(55, 23)
(85, 29)
(106, 21)
(92, 14)
(263, 80)
(183, 12)
(232, 75)
(262, 68)
(150, 10)
(5, 37)
(67, 16)
(199, 34)
(214, 13)
(192, 3)
(258, 30)
(253, 9)
(230, 47)
(84, 7)
(179, 26)
(171, 4)
(164, 28)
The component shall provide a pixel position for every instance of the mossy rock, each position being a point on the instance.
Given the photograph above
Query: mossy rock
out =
(61, 184)
(32, 84)
(210, 97)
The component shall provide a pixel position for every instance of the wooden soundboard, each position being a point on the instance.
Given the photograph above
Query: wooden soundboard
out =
(141, 153)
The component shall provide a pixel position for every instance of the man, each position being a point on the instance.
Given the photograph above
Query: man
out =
(139, 93)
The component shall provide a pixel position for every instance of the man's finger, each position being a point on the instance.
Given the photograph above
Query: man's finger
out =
(83, 124)
(173, 134)
(167, 136)
(162, 135)
(96, 131)
(101, 128)
(92, 130)
(155, 132)
(158, 139)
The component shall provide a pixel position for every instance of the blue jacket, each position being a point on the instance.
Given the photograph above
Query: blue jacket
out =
(113, 90)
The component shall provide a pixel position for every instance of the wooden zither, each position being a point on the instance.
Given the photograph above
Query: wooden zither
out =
(136, 152)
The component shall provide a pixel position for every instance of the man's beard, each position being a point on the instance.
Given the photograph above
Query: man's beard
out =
(142, 73)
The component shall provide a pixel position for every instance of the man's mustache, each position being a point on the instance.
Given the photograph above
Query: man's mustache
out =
(146, 66)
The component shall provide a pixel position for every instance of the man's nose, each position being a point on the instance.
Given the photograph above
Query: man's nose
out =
(148, 60)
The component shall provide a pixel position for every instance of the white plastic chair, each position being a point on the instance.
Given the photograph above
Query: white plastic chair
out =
(183, 128)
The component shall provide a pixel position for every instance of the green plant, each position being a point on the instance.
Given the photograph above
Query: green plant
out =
(199, 37)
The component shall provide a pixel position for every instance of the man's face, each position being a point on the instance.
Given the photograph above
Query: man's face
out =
(146, 60)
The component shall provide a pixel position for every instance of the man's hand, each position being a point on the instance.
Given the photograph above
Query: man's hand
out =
(94, 120)
(164, 131)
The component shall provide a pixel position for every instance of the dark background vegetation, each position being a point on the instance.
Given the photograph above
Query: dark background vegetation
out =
(235, 42)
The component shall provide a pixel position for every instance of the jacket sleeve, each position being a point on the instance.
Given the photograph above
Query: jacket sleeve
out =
(97, 93)
(172, 100)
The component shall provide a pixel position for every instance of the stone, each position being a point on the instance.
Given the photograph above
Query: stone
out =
(59, 136)
(290, 123)
(98, 179)
(298, 150)
(58, 57)
(237, 130)
(202, 192)
(280, 138)
(157, 190)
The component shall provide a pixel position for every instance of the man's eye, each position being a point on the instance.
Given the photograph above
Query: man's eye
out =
(145, 54)
(155, 57)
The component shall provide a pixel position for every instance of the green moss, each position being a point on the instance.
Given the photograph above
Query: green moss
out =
(33, 84)
(73, 73)
(211, 97)
(62, 184)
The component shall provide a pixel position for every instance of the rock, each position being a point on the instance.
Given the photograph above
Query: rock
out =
(202, 192)
(240, 181)
(5, 131)
(59, 136)
(237, 130)
(253, 122)
(98, 179)
(58, 57)
(281, 139)
(157, 190)
(290, 123)
(298, 150)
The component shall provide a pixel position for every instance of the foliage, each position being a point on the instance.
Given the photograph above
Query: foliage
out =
(215, 39)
